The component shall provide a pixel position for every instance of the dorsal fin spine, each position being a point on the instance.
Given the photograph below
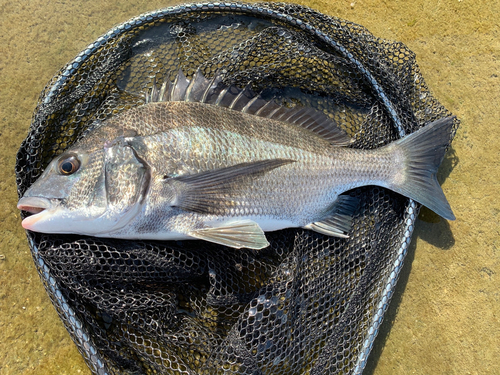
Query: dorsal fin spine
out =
(179, 88)
(261, 109)
(221, 95)
(273, 112)
(211, 91)
(235, 100)
(164, 94)
(187, 95)
(249, 104)
(211, 85)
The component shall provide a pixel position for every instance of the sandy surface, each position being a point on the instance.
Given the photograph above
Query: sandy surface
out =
(444, 318)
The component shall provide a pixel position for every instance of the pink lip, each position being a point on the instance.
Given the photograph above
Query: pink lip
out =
(30, 221)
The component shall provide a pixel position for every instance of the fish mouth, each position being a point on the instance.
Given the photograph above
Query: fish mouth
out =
(34, 205)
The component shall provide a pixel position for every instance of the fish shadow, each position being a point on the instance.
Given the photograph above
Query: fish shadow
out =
(433, 230)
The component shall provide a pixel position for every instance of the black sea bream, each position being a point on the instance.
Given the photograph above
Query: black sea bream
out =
(200, 160)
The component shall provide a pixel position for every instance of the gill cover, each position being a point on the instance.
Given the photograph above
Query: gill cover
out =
(127, 180)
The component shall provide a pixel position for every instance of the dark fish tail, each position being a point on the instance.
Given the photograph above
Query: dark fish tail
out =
(423, 153)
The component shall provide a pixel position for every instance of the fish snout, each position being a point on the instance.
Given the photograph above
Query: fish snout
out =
(38, 207)
(33, 205)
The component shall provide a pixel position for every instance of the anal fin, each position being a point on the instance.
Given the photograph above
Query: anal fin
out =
(236, 234)
(338, 221)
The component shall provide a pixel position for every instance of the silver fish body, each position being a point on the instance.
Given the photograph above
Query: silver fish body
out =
(172, 170)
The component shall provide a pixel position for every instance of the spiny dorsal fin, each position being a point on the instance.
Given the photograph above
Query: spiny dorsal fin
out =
(214, 91)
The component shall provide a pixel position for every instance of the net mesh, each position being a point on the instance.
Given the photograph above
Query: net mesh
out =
(307, 304)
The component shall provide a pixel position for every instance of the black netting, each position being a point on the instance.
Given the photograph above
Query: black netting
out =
(307, 303)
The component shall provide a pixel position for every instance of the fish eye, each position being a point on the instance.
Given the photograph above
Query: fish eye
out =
(68, 165)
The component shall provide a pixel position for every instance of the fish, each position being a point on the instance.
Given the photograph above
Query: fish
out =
(203, 160)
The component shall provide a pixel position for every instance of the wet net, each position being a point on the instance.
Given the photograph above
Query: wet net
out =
(307, 304)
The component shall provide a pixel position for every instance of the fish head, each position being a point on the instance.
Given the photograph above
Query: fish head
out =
(93, 188)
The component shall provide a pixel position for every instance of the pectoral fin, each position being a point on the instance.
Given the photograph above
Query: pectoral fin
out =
(205, 192)
(339, 220)
(237, 234)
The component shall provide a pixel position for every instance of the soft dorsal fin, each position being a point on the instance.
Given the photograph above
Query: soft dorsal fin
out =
(214, 91)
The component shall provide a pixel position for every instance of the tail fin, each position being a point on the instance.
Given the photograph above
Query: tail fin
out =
(424, 151)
